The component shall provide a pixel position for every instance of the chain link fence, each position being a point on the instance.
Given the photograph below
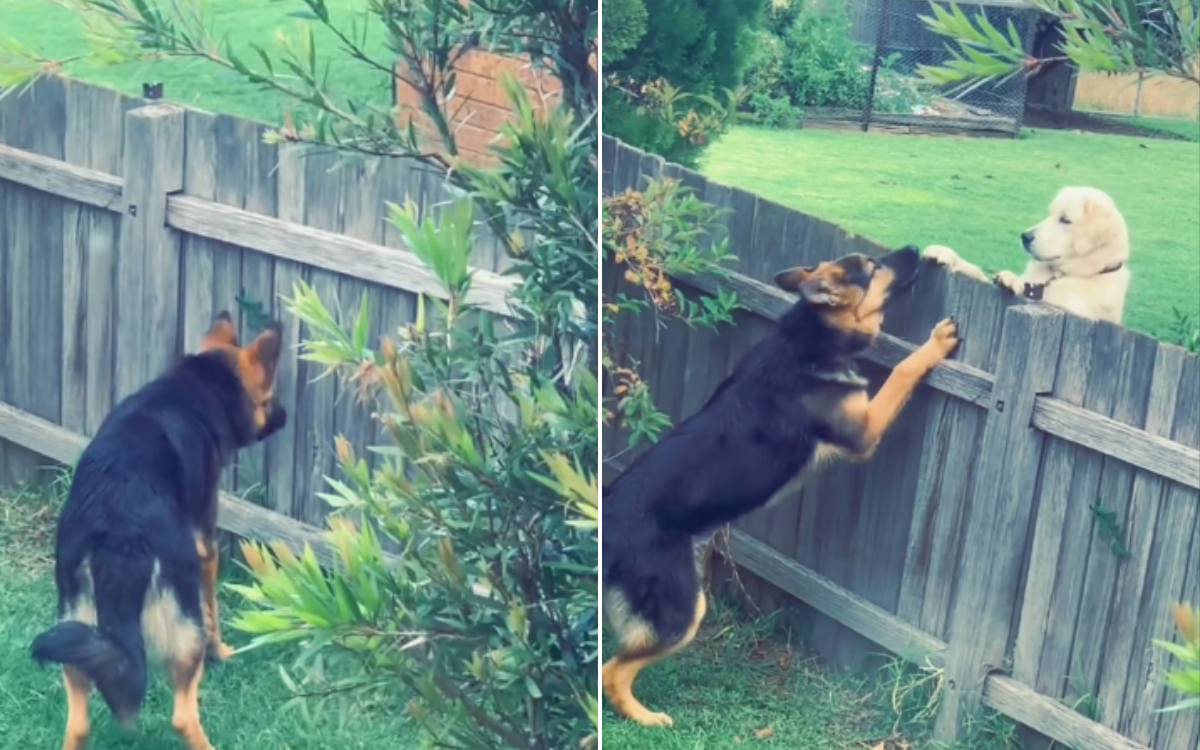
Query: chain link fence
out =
(898, 99)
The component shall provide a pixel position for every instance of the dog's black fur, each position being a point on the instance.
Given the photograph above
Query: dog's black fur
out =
(726, 460)
(756, 433)
(144, 487)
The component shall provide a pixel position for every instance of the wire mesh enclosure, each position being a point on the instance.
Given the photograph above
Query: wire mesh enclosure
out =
(898, 99)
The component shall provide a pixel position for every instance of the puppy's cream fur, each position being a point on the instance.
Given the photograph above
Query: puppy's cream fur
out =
(1072, 251)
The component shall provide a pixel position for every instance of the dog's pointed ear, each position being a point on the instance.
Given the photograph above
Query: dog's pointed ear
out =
(266, 348)
(790, 279)
(814, 289)
(222, 333)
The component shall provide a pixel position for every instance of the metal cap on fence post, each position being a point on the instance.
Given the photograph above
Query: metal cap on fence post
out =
(147, 291)
(994, 543)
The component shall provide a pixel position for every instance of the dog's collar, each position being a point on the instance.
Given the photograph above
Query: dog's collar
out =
(1037, 291)
(843, 375)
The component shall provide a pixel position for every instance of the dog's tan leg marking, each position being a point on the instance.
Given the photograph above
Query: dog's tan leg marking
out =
(78, 688)
(620, 671)
(877, 415)
(210, 566)
(186, 673)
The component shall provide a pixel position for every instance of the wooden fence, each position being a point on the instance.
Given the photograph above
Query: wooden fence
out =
(1025, 525)
(1159, 96)
(125, 227)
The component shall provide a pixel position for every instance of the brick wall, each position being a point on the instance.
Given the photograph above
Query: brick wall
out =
(480, 107)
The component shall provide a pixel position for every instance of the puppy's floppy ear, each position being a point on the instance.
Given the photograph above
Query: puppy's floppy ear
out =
(222, 333)
(266, 348)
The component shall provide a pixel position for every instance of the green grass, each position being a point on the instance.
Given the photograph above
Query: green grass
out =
(57, 34)
(977, 195)
(743, 684)
(242, 702)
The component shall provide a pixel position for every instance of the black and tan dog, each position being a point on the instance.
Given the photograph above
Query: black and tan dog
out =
(793, 401)
(136, 552)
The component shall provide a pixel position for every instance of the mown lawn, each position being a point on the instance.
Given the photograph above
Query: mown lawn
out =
(243, 702)
(977, 194)
(742, 684)
(57, 34)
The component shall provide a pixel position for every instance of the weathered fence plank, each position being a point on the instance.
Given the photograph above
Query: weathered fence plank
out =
(281, 454)
(1129, 380)
(1173, 579)
(148, 263)
(995, 532)
(1141, 527)
(1052, 511)
(257, 288)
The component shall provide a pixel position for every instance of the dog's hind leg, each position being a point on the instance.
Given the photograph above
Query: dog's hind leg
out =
(210, 553)
(78, 688)
(187, 669)
(640, 648)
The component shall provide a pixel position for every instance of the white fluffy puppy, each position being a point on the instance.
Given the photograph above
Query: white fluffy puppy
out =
(1078, 257)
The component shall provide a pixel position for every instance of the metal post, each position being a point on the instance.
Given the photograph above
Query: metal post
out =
(870, 105)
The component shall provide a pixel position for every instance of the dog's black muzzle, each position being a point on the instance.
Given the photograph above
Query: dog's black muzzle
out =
(905, 264)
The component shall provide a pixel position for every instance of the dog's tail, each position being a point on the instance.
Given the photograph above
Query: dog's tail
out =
(113, 655)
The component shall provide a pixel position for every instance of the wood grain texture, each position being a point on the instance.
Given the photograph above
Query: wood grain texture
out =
(1051, 718)
(316, 423)
(1052, 561)
(89, 187)
(1173, 578)
(281, 454)
(32, 283)
(327, 250)
(148, 263)
(257, 284)
(76, 227)
(838, 603)
(1140, 526)
(948, 458)
(994, 540)
(1119, 440)
(1129, 381)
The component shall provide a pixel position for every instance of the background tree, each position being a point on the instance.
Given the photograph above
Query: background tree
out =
(1110, 36)
(673, 88)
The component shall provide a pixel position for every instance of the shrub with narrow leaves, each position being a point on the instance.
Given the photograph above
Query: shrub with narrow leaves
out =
(1184, 678)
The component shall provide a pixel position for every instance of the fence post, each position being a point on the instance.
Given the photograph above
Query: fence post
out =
(1002, 501)
(147, 297)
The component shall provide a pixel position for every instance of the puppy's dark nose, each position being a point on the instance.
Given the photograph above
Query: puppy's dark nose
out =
(1026, 238)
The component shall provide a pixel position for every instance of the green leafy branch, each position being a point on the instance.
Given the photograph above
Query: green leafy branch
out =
(1111, 36)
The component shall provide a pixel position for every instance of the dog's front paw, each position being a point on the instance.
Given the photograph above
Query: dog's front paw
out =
(944, 338)
(941, 255)
(1009, 282)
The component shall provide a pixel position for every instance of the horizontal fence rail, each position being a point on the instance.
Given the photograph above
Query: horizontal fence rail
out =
(397, 268)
